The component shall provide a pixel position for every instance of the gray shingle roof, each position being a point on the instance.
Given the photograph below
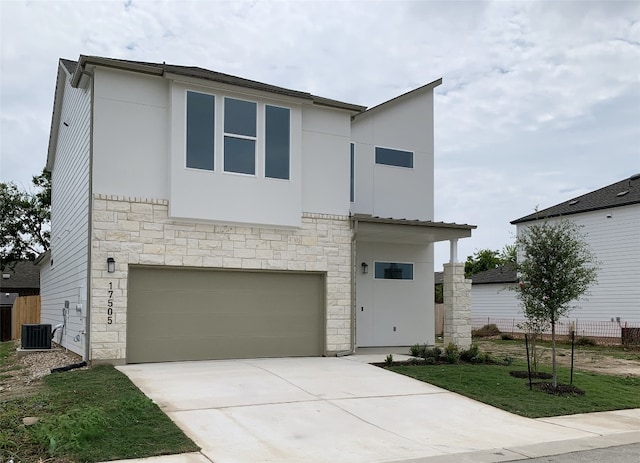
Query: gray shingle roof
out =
(502, 274)
(622, 193)
(24, 275)
(200, 73)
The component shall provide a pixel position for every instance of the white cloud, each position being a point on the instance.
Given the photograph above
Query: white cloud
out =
(540, 100)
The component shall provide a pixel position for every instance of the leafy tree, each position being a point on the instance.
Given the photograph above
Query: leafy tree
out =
(24, 220)
(482, 260)
(556, 268)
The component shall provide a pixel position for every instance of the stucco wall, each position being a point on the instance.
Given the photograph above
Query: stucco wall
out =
(389, 191)
(139, 231)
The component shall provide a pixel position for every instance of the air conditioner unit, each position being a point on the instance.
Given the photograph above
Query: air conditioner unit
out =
(36, 336)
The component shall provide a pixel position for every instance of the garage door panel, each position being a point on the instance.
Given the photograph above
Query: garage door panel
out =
(194, 314)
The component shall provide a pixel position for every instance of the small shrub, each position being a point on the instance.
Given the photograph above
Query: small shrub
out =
(486, 331)
(584, 341)
(432, 355)
(417, 350)
(451, 353)
(506, 337)
(389, 360)
(470, 355)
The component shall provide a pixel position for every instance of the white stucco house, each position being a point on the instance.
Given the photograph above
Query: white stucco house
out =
(197, 215)
(610, 220)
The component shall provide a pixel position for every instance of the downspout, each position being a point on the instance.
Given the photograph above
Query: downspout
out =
(354, 233)
(87, 317)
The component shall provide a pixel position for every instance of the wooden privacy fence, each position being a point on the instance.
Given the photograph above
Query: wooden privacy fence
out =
(439, 318)
(26, 309)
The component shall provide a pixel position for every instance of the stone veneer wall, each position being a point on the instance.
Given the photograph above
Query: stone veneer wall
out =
(456, 292)
(139, 231)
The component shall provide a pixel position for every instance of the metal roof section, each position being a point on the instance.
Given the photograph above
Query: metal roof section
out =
(405, 96)
(390, 230)
(622, 193)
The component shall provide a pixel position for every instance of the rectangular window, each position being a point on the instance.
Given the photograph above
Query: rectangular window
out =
(353, 161)
(200, 130)
(240, 121)
(391, 157)
(277, 142)
(393, 271)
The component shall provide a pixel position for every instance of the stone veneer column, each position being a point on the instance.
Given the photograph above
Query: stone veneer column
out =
(457, 306)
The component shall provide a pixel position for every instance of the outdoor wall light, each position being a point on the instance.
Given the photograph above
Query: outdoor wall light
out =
(111, 264)
(365, 268)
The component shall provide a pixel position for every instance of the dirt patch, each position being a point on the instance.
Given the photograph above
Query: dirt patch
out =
(597, 361)
(21, 377)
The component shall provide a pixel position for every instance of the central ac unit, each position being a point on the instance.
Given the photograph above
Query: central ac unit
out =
(36, 336)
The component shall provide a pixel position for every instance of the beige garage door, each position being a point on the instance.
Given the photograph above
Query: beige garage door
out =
(193, 314)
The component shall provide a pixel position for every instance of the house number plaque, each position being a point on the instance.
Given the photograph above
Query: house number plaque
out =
(110, 304)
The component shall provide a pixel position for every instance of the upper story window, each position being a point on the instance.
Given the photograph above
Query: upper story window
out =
(200, 130)
(240, 135)
(352, 193)
(245, 130)
(277, 142)
(392, 157)
(393, 271)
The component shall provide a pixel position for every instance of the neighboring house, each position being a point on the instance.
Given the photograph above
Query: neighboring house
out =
(610, 220)
(197, 215)
(23, 278)
(492, 295)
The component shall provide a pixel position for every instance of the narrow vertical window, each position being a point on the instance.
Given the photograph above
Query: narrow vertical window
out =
(240, 136)
(353, 180)
(277, 142)
(200, 130)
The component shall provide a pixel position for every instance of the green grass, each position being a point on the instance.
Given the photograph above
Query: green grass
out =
(88, 415)
(493, 385)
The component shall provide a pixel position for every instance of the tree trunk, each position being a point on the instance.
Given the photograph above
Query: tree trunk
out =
(553, 354)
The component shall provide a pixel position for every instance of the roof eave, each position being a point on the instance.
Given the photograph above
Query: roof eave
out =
(542, 216)
(55, 116)
(410, 94)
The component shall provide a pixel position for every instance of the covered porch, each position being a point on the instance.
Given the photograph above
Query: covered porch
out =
(394, 287)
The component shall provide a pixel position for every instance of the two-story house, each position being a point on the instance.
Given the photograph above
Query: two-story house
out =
(197, 215)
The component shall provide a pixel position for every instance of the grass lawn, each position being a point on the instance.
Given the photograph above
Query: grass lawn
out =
(493, 385)
(89, 415)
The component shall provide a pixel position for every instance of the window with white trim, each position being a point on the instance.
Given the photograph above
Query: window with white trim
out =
(200, 131)
(240, 136)
(277, 143)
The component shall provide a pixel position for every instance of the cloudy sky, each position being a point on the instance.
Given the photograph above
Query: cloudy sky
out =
(540, 101)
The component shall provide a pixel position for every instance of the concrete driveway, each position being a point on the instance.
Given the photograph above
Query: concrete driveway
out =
(344, 410)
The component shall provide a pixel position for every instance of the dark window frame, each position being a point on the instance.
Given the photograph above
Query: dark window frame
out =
(394, 157)
(393, 270)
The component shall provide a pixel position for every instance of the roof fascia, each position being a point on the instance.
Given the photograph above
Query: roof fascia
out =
(55, 115)
(111, 63)
(541, 216)
(219, 85)
(400, 98)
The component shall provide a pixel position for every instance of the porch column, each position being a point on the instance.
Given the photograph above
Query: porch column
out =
(457, 306)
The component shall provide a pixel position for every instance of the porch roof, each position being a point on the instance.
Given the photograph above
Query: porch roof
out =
(390, 230)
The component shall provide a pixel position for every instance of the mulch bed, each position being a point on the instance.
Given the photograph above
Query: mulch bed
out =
(534, 374)
(560, 389)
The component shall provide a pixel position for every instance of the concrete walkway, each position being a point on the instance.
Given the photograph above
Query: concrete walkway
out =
(344, 410)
